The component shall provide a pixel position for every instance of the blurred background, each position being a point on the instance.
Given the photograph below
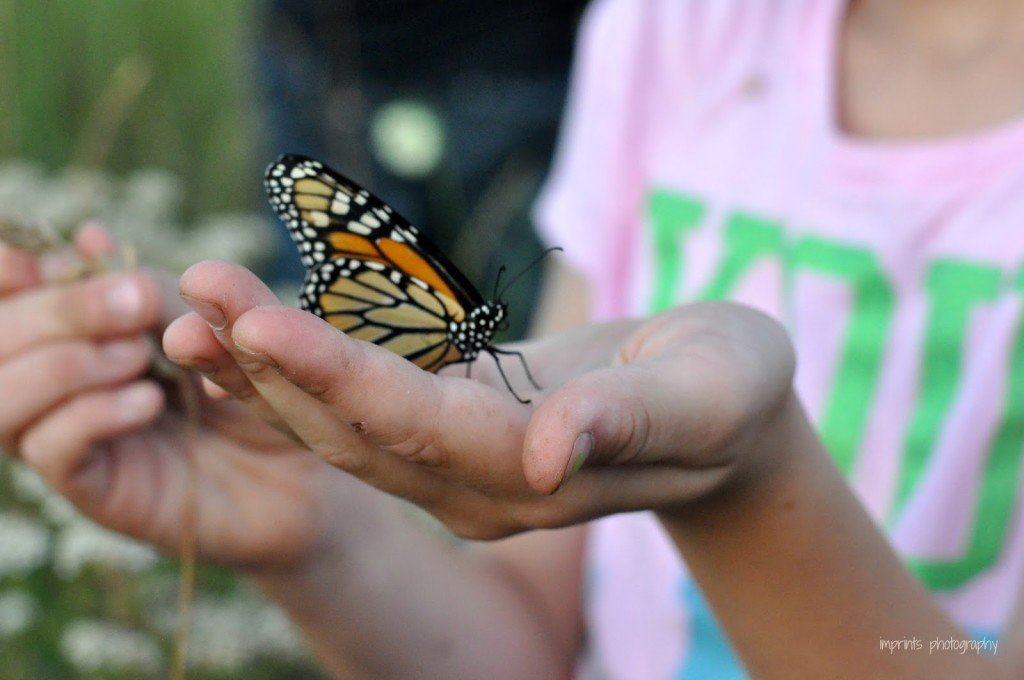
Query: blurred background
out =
(158, 119)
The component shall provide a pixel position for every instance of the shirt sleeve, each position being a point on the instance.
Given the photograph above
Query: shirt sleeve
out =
(589, 198)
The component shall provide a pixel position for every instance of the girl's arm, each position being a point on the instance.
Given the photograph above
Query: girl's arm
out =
(802, 579)
(693, 416)
(427, 608)
(390, 597)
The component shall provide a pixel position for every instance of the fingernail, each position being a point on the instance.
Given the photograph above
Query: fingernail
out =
(124, 299)
(581, 450)
(211, 313)
(135, 401)
(121, 350)
(194, 364)
(257, 356)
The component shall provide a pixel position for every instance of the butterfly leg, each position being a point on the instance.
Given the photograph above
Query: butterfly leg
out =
(522, 360)
(494, 353)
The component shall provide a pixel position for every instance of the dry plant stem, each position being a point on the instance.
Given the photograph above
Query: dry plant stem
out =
(190, 405)
(39, 240)
(35, 239)
(113, 108)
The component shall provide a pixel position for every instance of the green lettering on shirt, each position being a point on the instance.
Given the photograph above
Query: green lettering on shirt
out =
(954, 289)
(747, 239)
(672, 217)
(860, 359)
(997, 495)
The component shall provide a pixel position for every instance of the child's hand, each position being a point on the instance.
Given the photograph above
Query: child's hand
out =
(671, 415)
(77, 408)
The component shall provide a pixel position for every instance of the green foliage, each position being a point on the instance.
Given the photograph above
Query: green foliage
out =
(78, 601)
(122, 84)
(137, 113)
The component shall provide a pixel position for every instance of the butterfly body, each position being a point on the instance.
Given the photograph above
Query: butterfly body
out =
(373, 275)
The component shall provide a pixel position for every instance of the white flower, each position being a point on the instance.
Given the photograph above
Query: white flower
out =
(92, 645)
(23, 544)
(230, 236)
(153, 194)
(84, 542)
(18, 610)
(21, 184)
(30, 486)
(407, 138)
(273, 631)
(58, 509)
(143, 208)
(72, 197)
(228, 633)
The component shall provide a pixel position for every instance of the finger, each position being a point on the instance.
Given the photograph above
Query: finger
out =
(595, 492)
(100, 308)
(18, 270)
(344, 441)
(214, 391)
(650, 413)
(191, 343)
(440, 423)
(42, 378)
(219, 292)
(223, 293)
(65, 446)
(556, 359)
(93, 241)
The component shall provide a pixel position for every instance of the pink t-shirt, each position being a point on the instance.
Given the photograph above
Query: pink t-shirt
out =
(701, 159)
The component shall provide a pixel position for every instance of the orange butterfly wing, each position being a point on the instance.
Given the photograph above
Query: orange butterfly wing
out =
(372, 275)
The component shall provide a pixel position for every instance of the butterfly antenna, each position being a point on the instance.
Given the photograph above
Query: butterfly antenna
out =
(522, 360)
(528, 267)
(497, 281)
(494, 352)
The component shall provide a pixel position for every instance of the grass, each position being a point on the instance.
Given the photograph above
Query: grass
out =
(119, 85)
(122, 84)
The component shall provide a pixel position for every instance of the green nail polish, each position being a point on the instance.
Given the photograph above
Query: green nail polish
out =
(581, 450)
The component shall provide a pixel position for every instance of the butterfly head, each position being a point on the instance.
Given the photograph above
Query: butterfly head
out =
(478, 329)
(493, 314)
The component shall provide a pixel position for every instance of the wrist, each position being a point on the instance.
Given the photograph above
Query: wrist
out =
(758, 458)
(349, 514)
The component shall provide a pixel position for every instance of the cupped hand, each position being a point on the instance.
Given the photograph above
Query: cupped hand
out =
(640, 415)
(78, 407)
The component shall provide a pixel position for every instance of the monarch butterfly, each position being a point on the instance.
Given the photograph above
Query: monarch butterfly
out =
(375, 277)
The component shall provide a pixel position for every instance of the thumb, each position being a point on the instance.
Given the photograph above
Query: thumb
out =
(648, 413)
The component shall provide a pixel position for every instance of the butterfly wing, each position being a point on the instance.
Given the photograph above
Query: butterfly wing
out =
(370, 273)
(370, 302)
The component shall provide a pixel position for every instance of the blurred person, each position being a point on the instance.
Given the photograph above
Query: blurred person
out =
(852, 170)
(449, 109)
